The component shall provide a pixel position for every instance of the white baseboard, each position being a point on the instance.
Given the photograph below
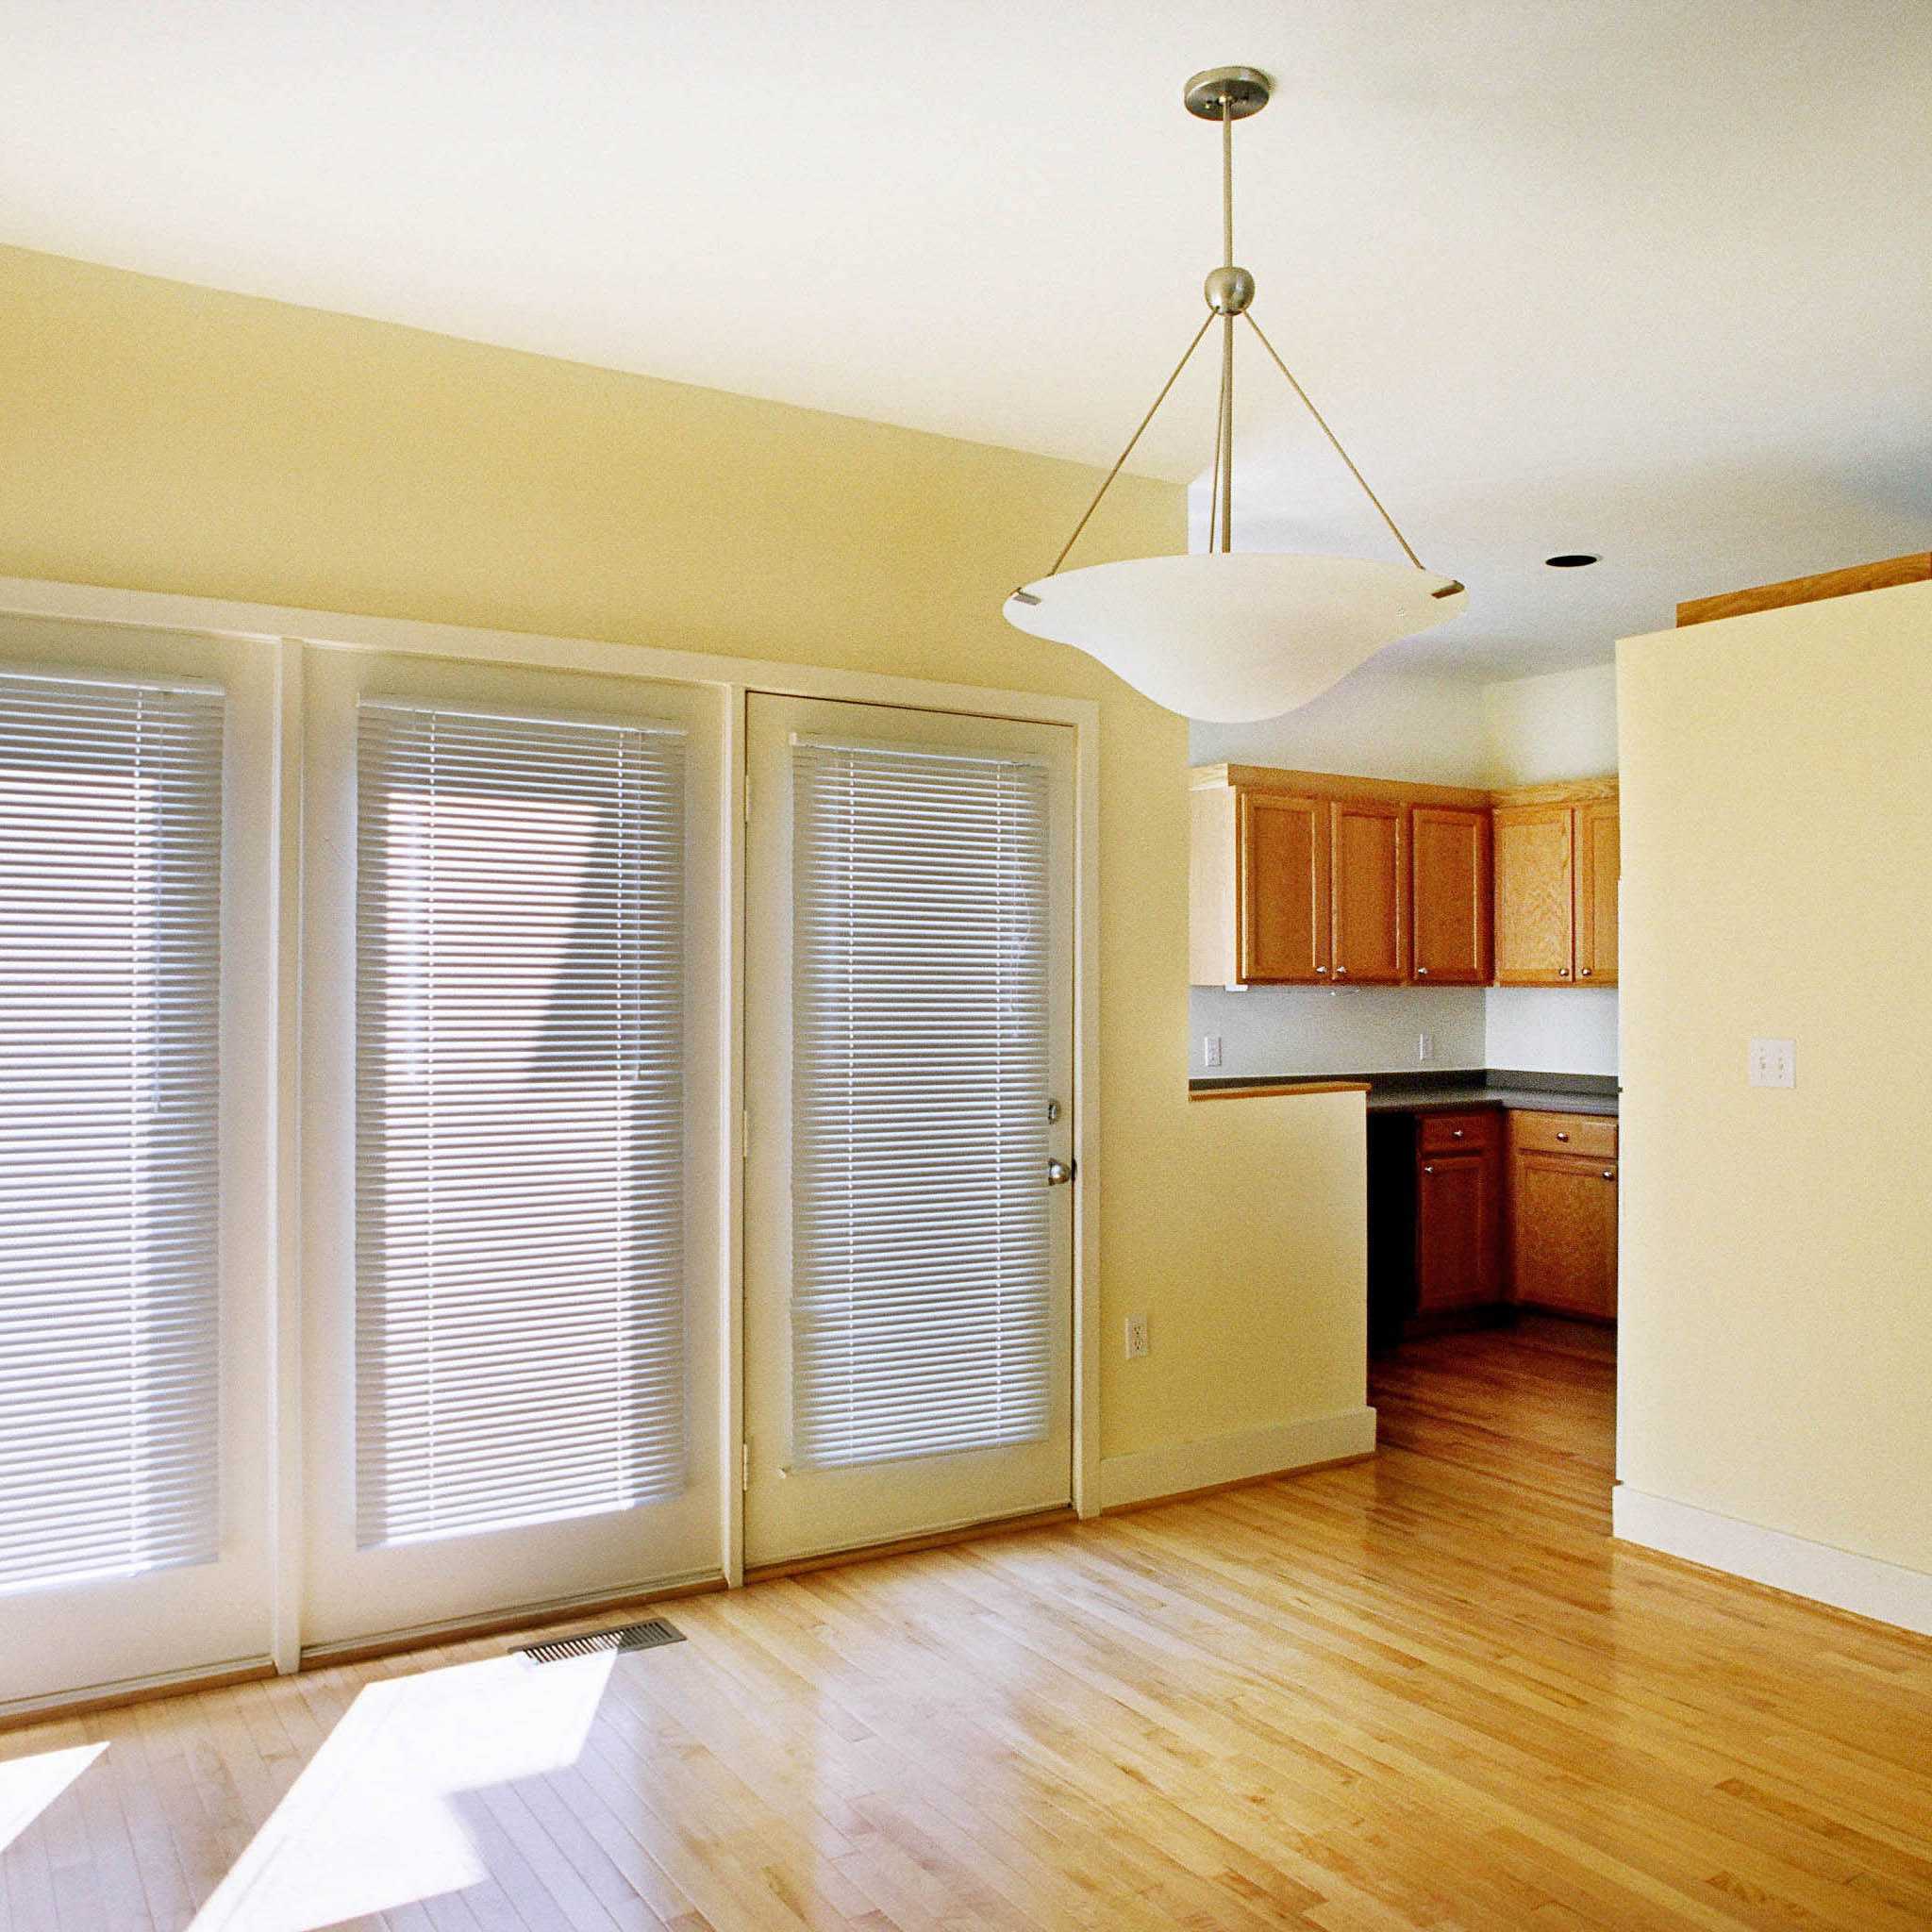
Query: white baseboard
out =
(1272, 1451)
(1865, 1584)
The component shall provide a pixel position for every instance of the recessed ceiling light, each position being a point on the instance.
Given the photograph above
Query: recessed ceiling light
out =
(1571, 559)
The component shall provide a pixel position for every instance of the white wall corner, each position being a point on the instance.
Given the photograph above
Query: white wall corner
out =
(1278, 1450)
(1868, 1587)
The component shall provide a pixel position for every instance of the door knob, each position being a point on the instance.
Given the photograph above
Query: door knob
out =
(1059, 1173)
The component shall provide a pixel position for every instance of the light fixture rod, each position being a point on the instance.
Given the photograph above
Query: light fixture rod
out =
(1226, 181)
(1121, 462)
(1223, 438)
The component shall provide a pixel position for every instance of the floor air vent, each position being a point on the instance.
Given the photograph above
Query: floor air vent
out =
(645, 1636)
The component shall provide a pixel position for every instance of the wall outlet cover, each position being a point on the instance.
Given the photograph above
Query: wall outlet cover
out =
(1773, 1063)
(1136, 1337)
(1210, 1050)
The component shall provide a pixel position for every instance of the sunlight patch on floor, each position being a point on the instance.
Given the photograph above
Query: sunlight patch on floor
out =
(29, 1785)
(370, 1822)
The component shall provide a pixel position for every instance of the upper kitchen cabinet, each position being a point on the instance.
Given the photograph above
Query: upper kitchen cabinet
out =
(1599, 865)
(1368, 842)
(1449, 922)
(1556, 869)
(1306, 878)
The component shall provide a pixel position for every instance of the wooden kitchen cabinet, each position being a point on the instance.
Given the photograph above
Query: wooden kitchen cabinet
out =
(1599, 866)
(1557, 868)
(1450, 894)
(1563, 1213)
(1458, 1216)
(1306, 878)
(1284, 889)
(1368, 847)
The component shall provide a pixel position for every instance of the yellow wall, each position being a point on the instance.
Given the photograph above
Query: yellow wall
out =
(161, 436)
(1777, 1343)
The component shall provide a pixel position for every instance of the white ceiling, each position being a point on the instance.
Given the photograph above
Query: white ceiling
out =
(1646, 277)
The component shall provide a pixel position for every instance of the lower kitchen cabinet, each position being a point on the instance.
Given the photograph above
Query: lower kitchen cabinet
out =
(1472, 1211)
(1459, 1221)
(1563, 1213)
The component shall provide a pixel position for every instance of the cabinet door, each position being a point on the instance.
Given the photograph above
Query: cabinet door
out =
(1535, 903)
(1367, 846)
(1598, 865)
(1284, 889)
(1449, 926)
(1563, 1238)
(1458, 1224)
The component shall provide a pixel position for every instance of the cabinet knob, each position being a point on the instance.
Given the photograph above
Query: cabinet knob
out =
(1339, 970)
(1609, 1174)
(1562, 1136)
(1584, 971)
(1428, 1170)
(1321, 969)
(1456, 1134)
(1422, 971)
(1562, 973)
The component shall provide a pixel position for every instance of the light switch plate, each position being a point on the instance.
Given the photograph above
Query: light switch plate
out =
(1425, 1046)
(1773, 1063)
(1211, 1049)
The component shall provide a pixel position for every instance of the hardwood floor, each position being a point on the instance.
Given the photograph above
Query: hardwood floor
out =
(1425, 1691)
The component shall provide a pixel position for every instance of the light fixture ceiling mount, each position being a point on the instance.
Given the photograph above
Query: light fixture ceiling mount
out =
(1222, 635)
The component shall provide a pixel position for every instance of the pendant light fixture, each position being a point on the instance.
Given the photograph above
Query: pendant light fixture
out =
(1223, 634)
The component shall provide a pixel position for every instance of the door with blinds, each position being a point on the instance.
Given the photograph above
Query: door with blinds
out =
(512, 1103)
(133, 1118)
(908, 1077)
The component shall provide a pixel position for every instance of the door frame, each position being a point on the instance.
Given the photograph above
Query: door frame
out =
(968, 1479)
(278, 632)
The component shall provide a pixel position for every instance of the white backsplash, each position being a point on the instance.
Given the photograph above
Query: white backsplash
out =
(1552, 1030)
(1305, 1030)
(1319, 1029)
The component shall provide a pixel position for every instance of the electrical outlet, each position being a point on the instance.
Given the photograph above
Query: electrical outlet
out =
(1773, 1063)
(1136, 1337)
(1210, 1050)
(1425, 1046)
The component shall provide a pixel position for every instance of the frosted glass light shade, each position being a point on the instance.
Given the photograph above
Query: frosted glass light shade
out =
(1233, 635)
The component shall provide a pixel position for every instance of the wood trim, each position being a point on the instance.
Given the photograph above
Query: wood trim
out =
(1867, 1590)
(1270, 1091)
(317, 1657)
(1240, 1482)
(1886, 575)
(1332, 785)
(1565, 791)
(1328, 787)
(906, 1545)
(60, 1709)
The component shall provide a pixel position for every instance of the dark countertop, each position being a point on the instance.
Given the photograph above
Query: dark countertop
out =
(1445, 1090)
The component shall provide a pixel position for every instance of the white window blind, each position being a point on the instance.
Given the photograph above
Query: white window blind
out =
(922, 1259)
(111, 826)
(520, 1120)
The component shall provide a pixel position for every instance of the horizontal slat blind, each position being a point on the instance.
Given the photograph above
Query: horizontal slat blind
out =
(520, 1120)
(922, 1263)
(110, 831)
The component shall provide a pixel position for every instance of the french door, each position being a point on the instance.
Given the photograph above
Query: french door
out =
(909, 964)
(137, 1124)
(511, 1106)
